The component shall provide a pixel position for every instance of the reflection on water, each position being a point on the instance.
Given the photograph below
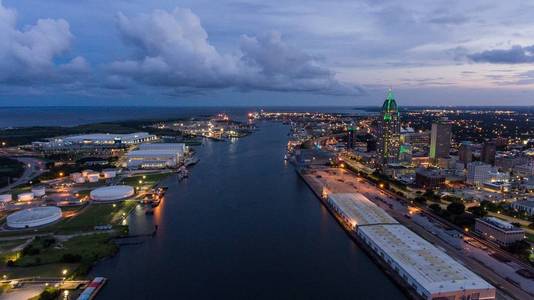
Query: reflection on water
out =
(242, 226)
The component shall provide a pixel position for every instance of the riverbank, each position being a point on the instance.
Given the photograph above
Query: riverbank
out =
(318, 191)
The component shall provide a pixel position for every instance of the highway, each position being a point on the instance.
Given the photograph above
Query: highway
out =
(33, 168)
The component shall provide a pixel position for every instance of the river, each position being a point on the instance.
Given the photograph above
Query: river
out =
(243, 226)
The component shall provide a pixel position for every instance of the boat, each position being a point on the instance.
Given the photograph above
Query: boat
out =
(191, 161)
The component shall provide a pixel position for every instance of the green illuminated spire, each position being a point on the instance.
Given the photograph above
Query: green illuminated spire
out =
(390, 106)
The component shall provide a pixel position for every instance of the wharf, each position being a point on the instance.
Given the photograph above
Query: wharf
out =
(317, 189)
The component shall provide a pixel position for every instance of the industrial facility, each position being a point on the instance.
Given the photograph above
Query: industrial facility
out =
(156, 156)
(33, 217)
(111, 193)
(427, 269)
(97, 139)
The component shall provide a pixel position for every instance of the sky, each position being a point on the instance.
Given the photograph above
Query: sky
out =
(260, 53)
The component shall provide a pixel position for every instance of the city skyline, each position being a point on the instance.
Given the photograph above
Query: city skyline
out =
(264, 54)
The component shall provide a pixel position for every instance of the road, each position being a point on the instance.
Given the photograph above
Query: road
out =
(476, 259)
(33, 167)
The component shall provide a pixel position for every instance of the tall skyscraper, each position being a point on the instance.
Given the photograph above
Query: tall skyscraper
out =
(440, 139)
(388, 133)
(465, 153)
(351, 137)
(489, 150)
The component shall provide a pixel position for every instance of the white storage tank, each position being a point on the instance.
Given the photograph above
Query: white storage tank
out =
(38, 191)
(6, 197)
(79, 180)
(28, 196)
(33, 217)
(109, 173)
(75, 175)
(112, 193)
(87, 172)
(93, 177)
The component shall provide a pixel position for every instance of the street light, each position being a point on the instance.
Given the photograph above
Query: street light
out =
(64, 272)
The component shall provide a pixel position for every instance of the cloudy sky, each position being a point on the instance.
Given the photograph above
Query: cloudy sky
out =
(338, 52)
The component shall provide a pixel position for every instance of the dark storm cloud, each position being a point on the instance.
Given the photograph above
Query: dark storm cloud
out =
(515, 55)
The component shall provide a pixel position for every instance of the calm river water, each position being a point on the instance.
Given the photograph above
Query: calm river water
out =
(243, 226)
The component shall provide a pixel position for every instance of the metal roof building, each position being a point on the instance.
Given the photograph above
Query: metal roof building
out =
(430, 271)
(357, 210)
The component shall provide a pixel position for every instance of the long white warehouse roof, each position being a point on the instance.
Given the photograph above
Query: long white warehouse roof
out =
(153, 153)
(430, 267)
(107, 138)
(163, 146)
(360, 209)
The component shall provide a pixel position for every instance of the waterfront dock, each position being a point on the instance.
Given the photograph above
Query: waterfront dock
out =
(421, 269)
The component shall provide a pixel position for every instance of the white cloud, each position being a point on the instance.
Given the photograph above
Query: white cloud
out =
(28, 55)
(172, 50)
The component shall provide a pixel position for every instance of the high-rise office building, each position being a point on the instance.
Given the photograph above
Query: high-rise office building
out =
(351, 137)
(388, 133)
(489, 149)
(465, 153)
(440, 139)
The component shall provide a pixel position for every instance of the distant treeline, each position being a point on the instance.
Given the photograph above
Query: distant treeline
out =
(26, 135)
(9, 170)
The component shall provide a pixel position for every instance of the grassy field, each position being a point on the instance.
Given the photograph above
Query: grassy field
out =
(95, 214)
(85, 220)
(147, 179)
(84, 248)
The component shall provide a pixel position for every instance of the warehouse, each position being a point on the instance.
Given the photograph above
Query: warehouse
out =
(27, 196)
(107, 138)
(357, 210)
(111, 193)
(33, 217)
(156, 156)
(94, 140)
(431, 272)
(179, 147)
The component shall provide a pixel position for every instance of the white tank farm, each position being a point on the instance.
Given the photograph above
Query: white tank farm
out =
(87, 172)
(112, 193)
(33, 217)
(38, 191)
(27, 196)
(6, 197)
(75, 175)
(93, 177)
(109, 173)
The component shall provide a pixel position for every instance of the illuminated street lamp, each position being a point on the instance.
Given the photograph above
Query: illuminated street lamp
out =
(64, 272)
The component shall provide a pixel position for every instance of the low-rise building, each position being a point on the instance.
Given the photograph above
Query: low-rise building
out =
(524, 170)
(526, 206)
(478, 173)
(156, 156)
(498, 231)
(429, 178)
(427, 269)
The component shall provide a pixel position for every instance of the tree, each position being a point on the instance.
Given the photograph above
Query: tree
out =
(421, 200)
(435, 208)
(477, 211)
(519, 247)
(456, 208)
